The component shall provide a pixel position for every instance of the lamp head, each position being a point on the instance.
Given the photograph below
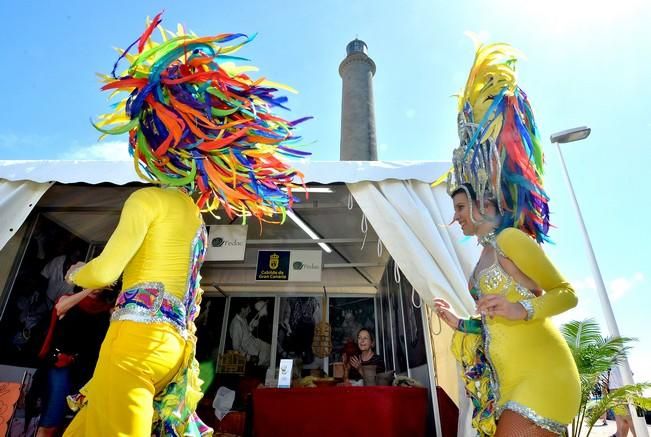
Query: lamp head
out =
(570, 135)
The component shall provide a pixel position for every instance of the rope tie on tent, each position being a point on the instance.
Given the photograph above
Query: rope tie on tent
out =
(396, 272)
(413, 302)
(364, 227)
(380, 248)
(429, 324)
(351, 202)
(432, 335)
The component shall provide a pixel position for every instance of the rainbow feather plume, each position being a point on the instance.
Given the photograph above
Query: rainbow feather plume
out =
(197, 120)
(501, 111)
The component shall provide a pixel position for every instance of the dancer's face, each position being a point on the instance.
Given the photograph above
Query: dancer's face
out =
(462, 213)
(481, 224)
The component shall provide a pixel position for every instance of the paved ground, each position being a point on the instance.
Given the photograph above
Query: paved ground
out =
(608, 430)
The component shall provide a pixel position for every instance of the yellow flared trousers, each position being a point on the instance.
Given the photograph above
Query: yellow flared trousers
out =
(136, 361)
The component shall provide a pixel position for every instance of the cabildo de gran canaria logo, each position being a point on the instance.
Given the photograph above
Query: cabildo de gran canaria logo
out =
(274, 260)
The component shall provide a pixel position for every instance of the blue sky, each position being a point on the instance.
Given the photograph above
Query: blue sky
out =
(587, 64)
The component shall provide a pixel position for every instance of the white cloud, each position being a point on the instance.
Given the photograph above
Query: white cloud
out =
(102, 151)
(589, 306)
(482, 36)
(639, 359)
(584, 284)
(579, 312)
(620, 286)
(616, 288)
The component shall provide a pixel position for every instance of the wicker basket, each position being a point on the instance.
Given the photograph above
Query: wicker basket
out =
(322, 342)
(232, 362)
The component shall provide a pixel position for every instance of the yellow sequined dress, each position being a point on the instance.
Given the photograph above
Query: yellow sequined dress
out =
(146, 373)
(528, 365)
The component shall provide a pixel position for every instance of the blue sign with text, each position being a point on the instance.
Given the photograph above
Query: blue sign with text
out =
(273, 265)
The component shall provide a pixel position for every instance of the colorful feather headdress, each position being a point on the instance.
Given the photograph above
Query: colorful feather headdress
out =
(195, 120)
(500, 154)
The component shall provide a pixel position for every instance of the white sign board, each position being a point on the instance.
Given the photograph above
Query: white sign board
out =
(226, 242)
(285, 373)
(305, 265)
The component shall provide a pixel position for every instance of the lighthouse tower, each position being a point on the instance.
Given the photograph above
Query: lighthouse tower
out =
(358, 141)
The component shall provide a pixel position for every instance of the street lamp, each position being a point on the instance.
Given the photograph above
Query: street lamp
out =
(568, 136)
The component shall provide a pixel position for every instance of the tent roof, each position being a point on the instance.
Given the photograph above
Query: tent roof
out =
(122, 172)
(356, 264)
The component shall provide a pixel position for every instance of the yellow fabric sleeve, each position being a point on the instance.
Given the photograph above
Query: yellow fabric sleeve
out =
(529, 257)
(137, 214)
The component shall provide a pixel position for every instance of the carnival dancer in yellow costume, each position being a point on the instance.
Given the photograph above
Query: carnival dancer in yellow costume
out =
(201, 130)
(517, 368)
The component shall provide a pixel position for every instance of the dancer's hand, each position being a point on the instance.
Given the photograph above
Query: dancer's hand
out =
(355, 362)
(443, 309)
(73, 268)
(496, 305)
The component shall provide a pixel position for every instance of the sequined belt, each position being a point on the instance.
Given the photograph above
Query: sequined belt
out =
(149, 303)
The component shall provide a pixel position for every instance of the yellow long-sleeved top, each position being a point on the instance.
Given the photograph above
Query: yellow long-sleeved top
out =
(151, 243)
(529, 257)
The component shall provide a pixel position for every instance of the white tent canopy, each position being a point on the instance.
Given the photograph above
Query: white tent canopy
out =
(121, 172)
(93, 214)
(408, 216)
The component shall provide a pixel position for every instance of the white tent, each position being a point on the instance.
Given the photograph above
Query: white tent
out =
(409, 217)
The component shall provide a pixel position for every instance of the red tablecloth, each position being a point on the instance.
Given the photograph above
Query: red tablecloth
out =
(340, 411)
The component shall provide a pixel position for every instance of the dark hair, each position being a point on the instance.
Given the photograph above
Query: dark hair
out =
(239, 306)
(467, 189)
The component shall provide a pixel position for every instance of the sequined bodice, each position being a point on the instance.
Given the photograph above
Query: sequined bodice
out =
(494, 280)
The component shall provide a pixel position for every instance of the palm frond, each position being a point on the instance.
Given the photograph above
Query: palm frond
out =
(592, 352)
(633, 394)
(594, 356)
(578, 332)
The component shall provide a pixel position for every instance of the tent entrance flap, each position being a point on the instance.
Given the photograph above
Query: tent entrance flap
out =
(412, 220)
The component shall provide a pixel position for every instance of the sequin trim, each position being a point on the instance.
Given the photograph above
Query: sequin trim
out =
(193, 285)
(149, 303)
(528, 305)
(495, 383)
(543, 422)
(494, 277)
(524, 291)
(487, 239)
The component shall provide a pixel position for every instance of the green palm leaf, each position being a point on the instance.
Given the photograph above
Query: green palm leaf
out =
(594, 356)
(628, 394)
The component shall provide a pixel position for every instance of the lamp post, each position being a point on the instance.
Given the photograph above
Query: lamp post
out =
(568, 136)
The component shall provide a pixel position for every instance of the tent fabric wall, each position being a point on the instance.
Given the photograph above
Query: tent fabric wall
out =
(17, 199)
(412, 220)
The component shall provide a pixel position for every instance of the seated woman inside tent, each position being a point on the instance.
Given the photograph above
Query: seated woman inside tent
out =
(366, 357)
